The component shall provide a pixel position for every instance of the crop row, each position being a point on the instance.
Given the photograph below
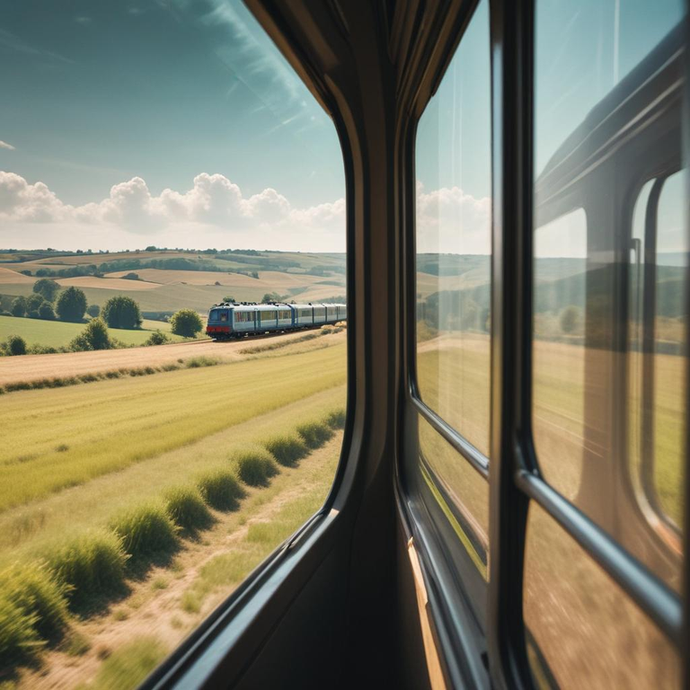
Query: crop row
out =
(38, 597)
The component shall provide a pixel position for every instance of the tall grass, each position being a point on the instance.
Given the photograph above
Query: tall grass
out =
(19, 639)
(221, 490)
(336, 418)
(90, 566)
(287, 449)
(255, 467)
(186, 508)
(146, 532)
(31, 588)
(315, 434)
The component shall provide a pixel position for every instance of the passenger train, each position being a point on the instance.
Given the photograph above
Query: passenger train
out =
(229, 320)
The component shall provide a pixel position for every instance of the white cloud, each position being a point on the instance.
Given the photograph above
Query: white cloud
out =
(451, 221)
(5, 145)
(214, 207)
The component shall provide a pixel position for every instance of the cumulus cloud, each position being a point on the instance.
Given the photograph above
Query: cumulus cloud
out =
(5, 145)
(214, 204)
(451, 221)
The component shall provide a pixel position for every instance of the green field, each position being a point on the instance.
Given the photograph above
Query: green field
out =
(61, 333)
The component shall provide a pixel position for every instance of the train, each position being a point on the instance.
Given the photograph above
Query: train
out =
(230, 320)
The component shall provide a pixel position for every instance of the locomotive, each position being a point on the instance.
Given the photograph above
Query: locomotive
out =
(229, 320)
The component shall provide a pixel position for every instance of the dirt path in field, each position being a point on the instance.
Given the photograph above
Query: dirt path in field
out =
(149, 610)
(35, 367)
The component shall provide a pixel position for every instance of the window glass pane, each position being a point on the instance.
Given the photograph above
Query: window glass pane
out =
(454, 240)
(610, 265)
(583, 630)
(153, 160)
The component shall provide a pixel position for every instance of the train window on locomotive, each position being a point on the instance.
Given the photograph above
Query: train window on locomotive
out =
(453, 240)
(173, 160)
(609, 334)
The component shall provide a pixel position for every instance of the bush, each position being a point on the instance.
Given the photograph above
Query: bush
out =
(229, 299)
(336, 418)
(33, 314)
(45, 311)
(93, 311)
(199, 362)
(131, 276)
(31, 589)
(157, 338)
(315, 434)
(288, 450)
(187, 509)
(221, 490)
(92, 565)
(146, 532)
(71, 304)
(255, 468)
(122, 312)
(15, 345)
(47, 288)
(186, 322)
(18, 307)
(18, 637)
(94, 337)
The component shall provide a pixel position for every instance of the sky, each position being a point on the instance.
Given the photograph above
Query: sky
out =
(167, 122)
(178, 123)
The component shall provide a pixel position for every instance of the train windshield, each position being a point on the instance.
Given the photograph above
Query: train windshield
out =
(218, 315)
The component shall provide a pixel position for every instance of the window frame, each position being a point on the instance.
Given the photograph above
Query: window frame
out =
(514, 475)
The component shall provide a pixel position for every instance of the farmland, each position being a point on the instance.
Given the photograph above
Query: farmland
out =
(162, 286)
(60, 334)
(111, 447)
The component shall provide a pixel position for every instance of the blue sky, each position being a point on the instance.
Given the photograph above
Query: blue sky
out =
(97, 92)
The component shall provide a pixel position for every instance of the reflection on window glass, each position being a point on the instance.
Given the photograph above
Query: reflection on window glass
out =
(463, 489)
(155, 159)
(584, 630)
(454, 240)
(609, 312)
(657, 363)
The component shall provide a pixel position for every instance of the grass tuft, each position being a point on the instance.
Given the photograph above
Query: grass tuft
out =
(336, 418)
(287, 449)
(186, 508)
(315, 434)
(146, 532)
(91, 566)
(203, 361)
(130, 664)
(31, 588)
(255, 467)
(19, 640)
(221, 490)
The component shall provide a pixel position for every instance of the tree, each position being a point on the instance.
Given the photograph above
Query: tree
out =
(71, 304)
(131, 276)
(571, 319)
(94, 337)
(45, 311)
(47, 288)
(229, 299)
(270, 297)
(186, 322)
(16, 345)
(94, 310)
(34, 301)
(18, 307)
(121, 312)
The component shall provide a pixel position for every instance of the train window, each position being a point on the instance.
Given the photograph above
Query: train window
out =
(657, 365)
(453, 238)
(583, 631)
(153, 164)
(601, 279)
